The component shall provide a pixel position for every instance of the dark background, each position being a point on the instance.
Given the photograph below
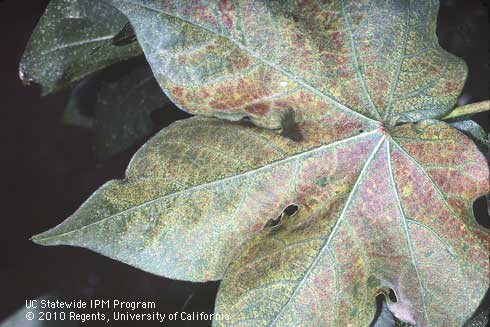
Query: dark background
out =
(49, 169)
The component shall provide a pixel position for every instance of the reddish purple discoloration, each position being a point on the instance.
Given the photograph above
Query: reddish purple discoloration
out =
(225, 7)
(259, 109)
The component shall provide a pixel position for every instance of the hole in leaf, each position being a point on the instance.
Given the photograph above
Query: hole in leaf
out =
(291, 210)
(380, 299)
(392, 296)
(481, 210)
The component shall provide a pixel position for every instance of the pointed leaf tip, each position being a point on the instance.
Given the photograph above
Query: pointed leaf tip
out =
(60, 50)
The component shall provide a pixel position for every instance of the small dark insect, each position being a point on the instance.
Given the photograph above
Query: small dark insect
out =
(125, 36)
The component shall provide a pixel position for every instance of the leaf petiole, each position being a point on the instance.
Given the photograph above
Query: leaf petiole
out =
(469, 109)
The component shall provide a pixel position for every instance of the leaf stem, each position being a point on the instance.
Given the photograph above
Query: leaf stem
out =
(469, 109)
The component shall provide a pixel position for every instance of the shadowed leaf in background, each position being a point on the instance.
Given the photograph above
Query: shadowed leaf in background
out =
(120, 113)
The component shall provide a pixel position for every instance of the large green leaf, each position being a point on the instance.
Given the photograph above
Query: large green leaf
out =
(377, 211)
(374, 58)
(380, 207)
(62, 47)
(397, 217)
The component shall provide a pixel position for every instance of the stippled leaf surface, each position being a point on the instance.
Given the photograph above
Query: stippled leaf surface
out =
(396, 217)
(195, 192)
(229, 59)
(378, 205)
(61, 49)
(364, 225)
